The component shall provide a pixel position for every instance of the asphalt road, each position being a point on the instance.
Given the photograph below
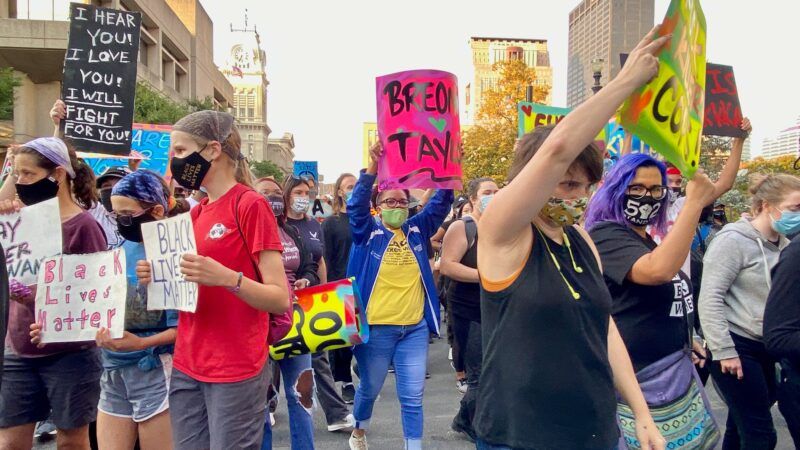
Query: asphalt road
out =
(441, 403)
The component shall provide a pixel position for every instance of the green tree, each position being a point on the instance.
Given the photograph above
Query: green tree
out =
(738, 199)
(152, 107)
(8, 81)
(266, 169)
(488, 147)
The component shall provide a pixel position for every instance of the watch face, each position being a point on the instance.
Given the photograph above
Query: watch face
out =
(239, 57)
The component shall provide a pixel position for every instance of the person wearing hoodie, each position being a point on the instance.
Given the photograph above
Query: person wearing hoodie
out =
(736, 283)
(782, 327)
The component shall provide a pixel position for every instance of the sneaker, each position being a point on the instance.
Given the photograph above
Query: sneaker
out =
(358, 443)
(461, 385)
(348, 423)
(427, 375)
(391, 368)
(45, 430)
(348, 393)
(271, 419)
(450, 354)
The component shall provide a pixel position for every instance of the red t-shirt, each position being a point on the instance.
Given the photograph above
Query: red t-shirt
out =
(225, 339)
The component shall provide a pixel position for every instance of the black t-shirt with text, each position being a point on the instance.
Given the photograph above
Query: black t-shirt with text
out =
(651, 319)
(311, 234)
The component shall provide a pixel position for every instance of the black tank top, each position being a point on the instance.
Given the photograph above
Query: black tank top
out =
(546, 380)
(464, 297)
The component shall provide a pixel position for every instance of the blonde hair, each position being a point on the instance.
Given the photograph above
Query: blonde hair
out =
(338, 200)
(771, 189)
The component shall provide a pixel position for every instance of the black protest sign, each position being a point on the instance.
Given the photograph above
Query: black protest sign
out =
(100, 78)
(723, 113)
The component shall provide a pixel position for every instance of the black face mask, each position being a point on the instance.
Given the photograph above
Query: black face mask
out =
(190, 171)
(721, 216)
(641, 211)
(133, 232)
(105, 199)
(31, 194)
(276, 201)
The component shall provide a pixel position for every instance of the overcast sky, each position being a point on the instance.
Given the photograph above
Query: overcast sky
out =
(323, 57)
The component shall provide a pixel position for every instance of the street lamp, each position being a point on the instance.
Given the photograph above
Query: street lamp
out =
(597, 69)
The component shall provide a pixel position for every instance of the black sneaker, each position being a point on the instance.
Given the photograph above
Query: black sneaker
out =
(348, 393)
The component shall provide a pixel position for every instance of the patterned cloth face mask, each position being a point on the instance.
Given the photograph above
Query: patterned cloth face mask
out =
(565, 213)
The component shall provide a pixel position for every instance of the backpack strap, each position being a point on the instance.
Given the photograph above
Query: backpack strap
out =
(471, 230)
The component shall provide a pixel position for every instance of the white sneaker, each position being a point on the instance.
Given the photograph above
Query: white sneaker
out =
(358, 443)
(348, 422)
(450, 354)
(461, 385)
(271, 419)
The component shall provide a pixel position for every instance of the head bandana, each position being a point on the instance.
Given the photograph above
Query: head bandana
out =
(53, 149)
(211, 126)
(144, 186)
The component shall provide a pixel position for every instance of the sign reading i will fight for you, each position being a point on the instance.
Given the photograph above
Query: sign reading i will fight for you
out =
(100, 78)
(165, 242)
(419, 129)
(77, 295)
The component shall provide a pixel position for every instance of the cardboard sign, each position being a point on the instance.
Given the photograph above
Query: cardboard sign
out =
(77, 295)
(419, 129)
(320, 210)
(723, 113)
(532, 115)
(326, 317)
(668, 112)
(28, 237)
(165, 241)
(151, 141)
(306, 169)
(100, 78)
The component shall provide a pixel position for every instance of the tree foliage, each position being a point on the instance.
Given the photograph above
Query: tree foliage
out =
(738, 199)
(262, 169)
(488, 147)
(153, 107)
(8, 81)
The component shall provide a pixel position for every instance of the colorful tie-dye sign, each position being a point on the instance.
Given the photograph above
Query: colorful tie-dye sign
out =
(326, 317)
(532, 115)
(151, 141)
(668, 111)
(419, 129)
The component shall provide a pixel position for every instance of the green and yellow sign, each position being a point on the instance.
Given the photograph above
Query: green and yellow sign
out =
(667, 113)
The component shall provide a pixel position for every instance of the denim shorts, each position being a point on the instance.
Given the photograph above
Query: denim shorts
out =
(133, 393)
(66, 383)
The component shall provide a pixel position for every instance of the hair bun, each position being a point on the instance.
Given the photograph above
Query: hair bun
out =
(756, 182)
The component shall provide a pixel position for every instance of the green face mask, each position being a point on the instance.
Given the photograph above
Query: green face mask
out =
(394, 217)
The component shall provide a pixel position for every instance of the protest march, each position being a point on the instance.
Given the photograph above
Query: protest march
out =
(159, 291)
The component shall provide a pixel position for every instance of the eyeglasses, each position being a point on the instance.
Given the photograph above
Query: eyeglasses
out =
(638, 191)
(394, 203)
(126, 220)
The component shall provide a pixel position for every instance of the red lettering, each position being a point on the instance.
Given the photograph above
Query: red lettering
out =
(95, 321)
(47, 299)
(117, 265)
(41, 318)
(48, 270)
(111, 313)
(539, 119)
(717, 87)
(731, 83)
(102, 272)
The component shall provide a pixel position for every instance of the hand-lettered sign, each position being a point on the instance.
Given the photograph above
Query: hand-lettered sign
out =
(306, 169)
(151, 141)
(326, 317)
(723, 113)
(77, 295)
(28, 237)
(165, 241)
(532, 115)
(419, 129)
(100, 78)
(668, 111)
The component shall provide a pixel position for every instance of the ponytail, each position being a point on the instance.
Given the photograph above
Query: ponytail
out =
(83, 186)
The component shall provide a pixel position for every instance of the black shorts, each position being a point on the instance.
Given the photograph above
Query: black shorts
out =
(65, 387)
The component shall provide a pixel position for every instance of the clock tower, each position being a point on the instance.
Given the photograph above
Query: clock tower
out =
(245, 69)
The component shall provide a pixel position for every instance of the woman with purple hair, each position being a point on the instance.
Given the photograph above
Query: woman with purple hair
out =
(652, 296)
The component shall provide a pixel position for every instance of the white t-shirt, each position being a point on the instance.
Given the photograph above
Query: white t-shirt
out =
(109, 225)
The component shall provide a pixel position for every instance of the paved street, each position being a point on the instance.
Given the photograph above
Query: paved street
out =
(441, 403)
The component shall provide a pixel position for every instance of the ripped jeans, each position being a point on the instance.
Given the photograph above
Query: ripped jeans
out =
(298, 386)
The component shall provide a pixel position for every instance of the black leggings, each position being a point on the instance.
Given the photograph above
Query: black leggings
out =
(789, 399)
(749, 425)
(460, 339)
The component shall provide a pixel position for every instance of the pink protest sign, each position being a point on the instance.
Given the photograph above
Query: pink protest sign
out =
(419, 129)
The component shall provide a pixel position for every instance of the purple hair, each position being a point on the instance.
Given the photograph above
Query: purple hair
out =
(608, 202)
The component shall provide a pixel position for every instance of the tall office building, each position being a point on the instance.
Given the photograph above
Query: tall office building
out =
(601, 30)
(786, 142)
(487, 51)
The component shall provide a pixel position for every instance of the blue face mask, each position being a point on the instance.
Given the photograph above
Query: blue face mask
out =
(348, 196)
(788, 223)
(485, 202)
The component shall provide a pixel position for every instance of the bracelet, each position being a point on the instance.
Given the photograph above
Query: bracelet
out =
(235, 289)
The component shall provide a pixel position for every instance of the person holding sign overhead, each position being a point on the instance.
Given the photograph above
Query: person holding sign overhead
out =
(399, 294)
(137, 367)
(218, 389)
(63, 378)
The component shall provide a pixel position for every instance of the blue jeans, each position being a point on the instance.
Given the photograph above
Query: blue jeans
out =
(407, 348)
(299, 400)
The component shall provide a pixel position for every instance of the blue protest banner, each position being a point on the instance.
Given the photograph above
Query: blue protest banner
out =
(306, 169)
